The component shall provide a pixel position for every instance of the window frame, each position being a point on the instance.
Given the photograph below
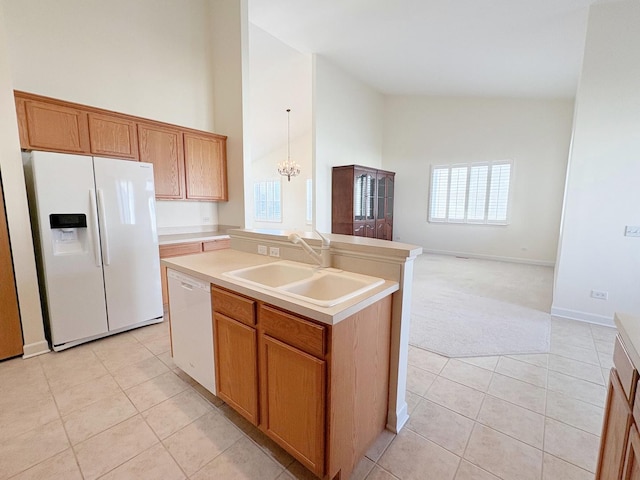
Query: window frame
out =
(309, 201)
(487, 193)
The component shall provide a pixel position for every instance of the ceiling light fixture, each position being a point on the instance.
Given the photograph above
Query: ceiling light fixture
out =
(288, 168)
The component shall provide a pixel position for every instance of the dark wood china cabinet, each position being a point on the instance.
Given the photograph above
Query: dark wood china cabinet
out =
(362, 202)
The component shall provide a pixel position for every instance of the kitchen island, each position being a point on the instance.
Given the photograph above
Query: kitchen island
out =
(620, 439)
(321, 381)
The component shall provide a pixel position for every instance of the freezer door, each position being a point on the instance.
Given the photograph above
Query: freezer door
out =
(62, 198)
(126, 209)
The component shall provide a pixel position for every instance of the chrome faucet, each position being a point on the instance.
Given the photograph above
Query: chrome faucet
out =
(323, 258)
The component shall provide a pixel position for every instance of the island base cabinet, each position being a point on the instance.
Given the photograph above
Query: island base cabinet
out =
(236, 365)
(319, 391)
(615, 431)
(632, 465)
(293, 400)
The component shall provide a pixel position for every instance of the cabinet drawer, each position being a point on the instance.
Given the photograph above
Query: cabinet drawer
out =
(306, 336)
(216, 245)
(626, 371)
(239, 308)
(180, 249)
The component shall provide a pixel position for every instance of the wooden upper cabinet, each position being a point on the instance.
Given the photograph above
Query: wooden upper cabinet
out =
(52, 127)
(113, 136)
(163, 147)
(188, 164)
(205, 167)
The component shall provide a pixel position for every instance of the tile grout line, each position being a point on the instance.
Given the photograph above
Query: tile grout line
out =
(64, 428)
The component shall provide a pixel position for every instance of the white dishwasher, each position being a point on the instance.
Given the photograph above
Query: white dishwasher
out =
(192, 327)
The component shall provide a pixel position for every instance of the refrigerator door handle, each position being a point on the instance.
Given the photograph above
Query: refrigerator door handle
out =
(94, 226)
(106, 255)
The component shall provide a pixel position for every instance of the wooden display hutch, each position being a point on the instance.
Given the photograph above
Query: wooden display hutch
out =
(362, 202)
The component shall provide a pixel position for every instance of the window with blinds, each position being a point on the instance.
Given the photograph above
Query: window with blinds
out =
(470, 193)
(267, 201)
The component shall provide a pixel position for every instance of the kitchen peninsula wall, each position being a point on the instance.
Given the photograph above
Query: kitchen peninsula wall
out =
(368, 256)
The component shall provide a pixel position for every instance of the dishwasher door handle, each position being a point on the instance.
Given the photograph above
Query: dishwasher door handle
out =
(186, 286)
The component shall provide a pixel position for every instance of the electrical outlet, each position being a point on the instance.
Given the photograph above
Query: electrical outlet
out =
(274, 251)
(206, 220)
(600, 295)
(262, 249)
(631, 231)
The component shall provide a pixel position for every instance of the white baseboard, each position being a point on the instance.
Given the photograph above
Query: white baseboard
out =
(397, 420)
(583, 316)
(33, 349)
(528, 261)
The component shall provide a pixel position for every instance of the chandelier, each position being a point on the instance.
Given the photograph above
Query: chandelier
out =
(288, 168)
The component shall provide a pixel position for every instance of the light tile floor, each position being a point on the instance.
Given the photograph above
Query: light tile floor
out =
(118, 408)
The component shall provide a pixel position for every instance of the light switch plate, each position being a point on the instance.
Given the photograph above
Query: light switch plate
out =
(262, 249)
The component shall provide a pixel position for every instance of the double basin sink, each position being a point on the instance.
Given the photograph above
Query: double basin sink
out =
(324, 287)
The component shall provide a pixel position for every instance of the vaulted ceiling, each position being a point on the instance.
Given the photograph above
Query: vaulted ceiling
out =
(510, 48)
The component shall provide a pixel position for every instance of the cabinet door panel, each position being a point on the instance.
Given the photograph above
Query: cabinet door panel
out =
(56, 128)
(113, 136)
(627, 373)
(237, 366)
(632, 465)
(364, 199)
(294, 401)
(359, 230)
(10, 329)
(205, 167)
(163, 147)
(615, 431)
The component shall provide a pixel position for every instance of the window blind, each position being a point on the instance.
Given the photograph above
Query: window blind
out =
(267, 201)
(470, 193)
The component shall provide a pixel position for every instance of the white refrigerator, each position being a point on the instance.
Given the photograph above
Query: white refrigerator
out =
(94, 227)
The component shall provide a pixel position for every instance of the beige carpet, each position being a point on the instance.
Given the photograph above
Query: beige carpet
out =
(469, 307)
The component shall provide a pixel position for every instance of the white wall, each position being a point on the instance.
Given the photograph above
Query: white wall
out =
(230, 55)
(150, 58)
(348, 129)
(18, 213)
(425, 131)
(294, 193)
(280, 78)
(602, 194)
(176, 216)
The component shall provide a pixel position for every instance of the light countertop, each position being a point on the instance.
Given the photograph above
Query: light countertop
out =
(210, 267)
(629, 329)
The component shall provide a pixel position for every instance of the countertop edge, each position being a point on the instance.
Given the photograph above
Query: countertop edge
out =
(189, 238)
(629, 330)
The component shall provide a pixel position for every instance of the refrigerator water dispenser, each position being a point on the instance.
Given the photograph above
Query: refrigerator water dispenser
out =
(68, 233)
